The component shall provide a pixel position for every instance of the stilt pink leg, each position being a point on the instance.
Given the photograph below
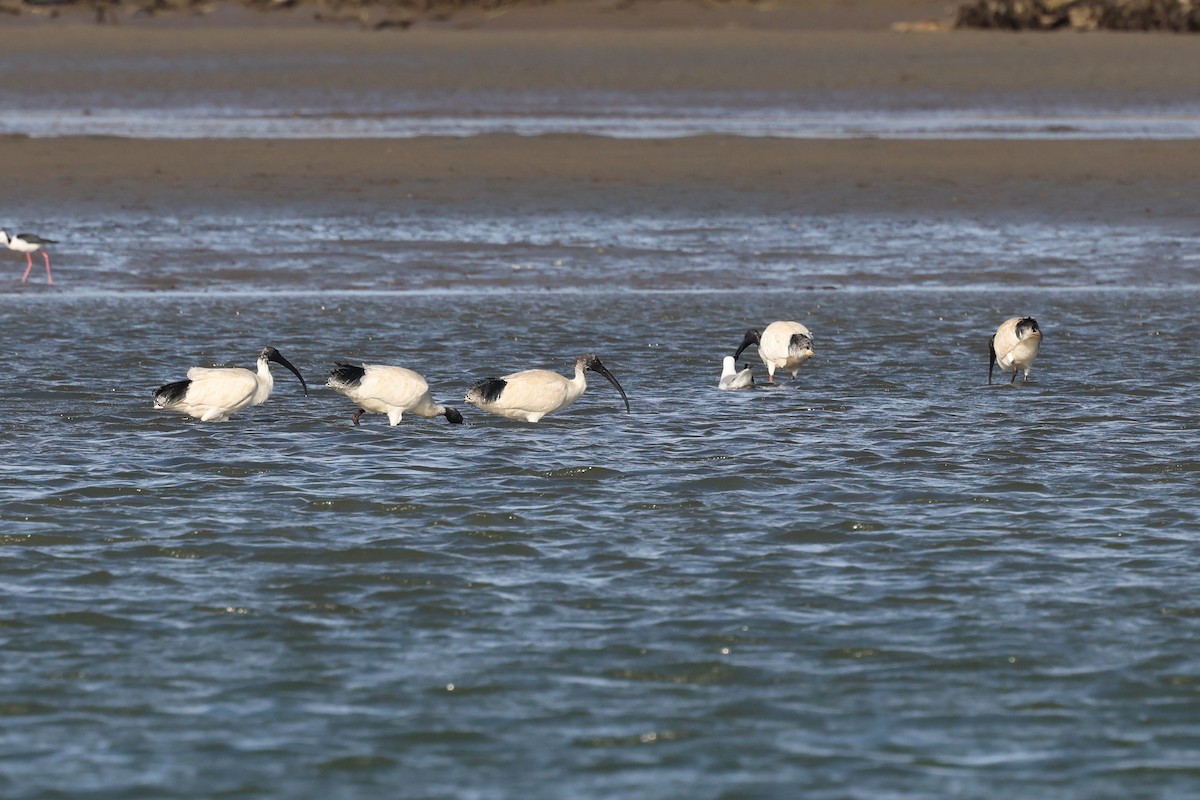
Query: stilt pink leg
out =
(49, 277)
(28, 266)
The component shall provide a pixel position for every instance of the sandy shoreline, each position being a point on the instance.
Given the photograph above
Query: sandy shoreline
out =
(953, 69)
(501, 174)
(185, 66)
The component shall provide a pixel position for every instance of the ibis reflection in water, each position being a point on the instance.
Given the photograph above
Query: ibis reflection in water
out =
(213, 394)
(387, 390)
(1013, 346)
(529, 395)
(782, 345)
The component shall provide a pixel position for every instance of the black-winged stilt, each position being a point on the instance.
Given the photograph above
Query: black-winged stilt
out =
(29, 243)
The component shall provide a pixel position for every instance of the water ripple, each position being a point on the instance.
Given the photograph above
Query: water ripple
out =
(879, 570)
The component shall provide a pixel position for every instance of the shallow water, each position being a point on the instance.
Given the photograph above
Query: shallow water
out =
(647, 118)
(884, 579)
(441, 248)
(387, 88)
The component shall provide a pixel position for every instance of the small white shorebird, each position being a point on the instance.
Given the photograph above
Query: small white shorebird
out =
(532, 394)
(782, 345)
(1013, 346)
(213, 394)
(29, 244)
(731, 378)
(388, 390)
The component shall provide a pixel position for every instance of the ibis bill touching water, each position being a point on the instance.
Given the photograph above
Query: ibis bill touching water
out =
(388, 390)
(213, 394)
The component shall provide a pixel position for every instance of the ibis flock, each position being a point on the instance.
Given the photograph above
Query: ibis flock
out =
(213, 394)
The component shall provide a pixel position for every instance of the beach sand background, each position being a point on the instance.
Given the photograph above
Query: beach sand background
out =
(836, 47)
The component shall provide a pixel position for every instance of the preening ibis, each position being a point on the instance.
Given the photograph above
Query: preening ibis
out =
(387, 390)
(782, 345)
(731, 378)
(29, 244)
(213, 394)
(533, 393)
(1013, 346)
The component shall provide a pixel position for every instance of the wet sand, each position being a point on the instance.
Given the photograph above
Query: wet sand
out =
(1102, 180)
(1110, 180)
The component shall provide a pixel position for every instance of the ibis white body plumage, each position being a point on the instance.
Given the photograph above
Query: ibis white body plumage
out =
(782, 345)
(213, 394)
(529, 395)
(1013, 346)
(393, 391)
(731, 378)
(29, 244)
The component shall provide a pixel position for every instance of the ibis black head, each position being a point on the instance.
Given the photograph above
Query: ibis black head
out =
(1027, 326)
(453, 416)
(590, 361)
(271, 354)
(750, 338)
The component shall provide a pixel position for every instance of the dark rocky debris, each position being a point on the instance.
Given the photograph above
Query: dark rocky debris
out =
(1083, 15)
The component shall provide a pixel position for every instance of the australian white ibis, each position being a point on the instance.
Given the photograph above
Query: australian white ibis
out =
(29, 244)
(388, 390)
(533, 393)
(782, 345)
(731, 378)
(1013, 346)
(213, 394)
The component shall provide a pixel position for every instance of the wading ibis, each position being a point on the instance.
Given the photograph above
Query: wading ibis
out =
(1013, 346)
(782, 345)
(387, 390)
(533, 393)
(213, 394)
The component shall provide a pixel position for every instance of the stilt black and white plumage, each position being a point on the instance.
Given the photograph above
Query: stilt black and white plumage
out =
(214, 394)
(388, 390)
(782, 345)
(29, 243)
(731, 378)
(1013, 346)
(533, 393)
